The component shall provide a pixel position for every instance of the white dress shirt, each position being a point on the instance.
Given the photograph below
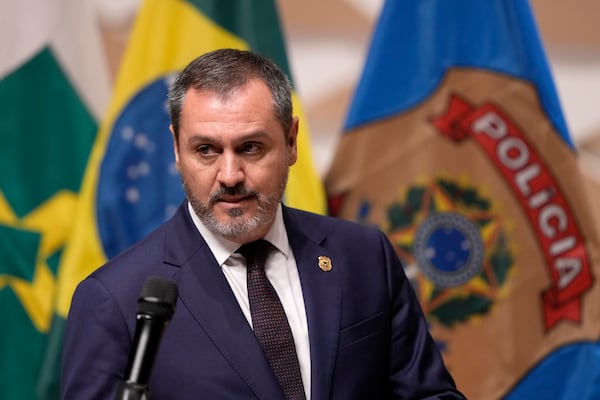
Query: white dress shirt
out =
(282, 272)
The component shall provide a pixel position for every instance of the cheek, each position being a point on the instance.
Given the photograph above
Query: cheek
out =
(199, 180)
(271, 178)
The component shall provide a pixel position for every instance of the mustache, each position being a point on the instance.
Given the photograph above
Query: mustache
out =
(237, 190)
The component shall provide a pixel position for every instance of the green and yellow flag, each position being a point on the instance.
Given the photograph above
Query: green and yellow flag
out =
(131, 184)
(53, 89)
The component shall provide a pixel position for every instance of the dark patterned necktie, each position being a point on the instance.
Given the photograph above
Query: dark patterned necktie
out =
(269, 322)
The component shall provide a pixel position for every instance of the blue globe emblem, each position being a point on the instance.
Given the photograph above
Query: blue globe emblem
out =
(138, 186)
(448, 249)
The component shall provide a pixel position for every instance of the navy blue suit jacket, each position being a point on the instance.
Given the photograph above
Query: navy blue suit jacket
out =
(368, 337)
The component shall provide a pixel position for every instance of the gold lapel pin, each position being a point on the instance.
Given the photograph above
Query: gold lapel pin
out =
(325, 263)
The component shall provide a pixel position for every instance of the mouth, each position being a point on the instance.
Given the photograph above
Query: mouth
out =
(232, 199)
(233, 206)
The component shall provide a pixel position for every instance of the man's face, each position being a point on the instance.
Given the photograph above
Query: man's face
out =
(234, 158)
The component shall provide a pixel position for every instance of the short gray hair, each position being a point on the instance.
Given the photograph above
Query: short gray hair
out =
(224, 70)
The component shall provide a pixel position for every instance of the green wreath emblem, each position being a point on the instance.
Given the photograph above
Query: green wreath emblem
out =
(466, 276)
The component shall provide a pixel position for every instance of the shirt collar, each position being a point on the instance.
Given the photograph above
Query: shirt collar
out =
(223, 248)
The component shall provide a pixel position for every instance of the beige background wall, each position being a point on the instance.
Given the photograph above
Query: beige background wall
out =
(327, 42)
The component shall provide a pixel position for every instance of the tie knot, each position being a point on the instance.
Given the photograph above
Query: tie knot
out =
(255, 253)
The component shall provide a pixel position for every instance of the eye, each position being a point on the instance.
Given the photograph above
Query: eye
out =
(251, 147)
(205, 149)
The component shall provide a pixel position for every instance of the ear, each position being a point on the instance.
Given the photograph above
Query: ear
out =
(175, 146)
(292, 142)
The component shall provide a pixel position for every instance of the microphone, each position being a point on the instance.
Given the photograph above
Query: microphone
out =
(155, 308)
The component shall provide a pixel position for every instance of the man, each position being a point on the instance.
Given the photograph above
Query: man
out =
(357, 331)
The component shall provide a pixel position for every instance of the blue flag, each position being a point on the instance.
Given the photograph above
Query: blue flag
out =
(455, 145)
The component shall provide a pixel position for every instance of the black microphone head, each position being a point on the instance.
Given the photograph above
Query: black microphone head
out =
(158, 297)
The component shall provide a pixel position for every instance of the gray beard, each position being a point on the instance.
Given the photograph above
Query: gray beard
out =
(267, 206)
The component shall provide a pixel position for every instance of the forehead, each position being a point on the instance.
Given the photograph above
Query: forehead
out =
(247, 108)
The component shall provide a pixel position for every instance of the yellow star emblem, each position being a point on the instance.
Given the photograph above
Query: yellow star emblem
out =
(52, 221)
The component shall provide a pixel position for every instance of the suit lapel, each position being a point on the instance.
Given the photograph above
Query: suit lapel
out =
(322, 299)
(206, 294)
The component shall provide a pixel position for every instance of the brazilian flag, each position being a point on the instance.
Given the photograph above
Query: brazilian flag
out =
(54, 88)
(131, 184)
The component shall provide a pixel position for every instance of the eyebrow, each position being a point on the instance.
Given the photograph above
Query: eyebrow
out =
(202, 138)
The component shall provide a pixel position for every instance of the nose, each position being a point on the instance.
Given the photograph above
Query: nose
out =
(231, 170)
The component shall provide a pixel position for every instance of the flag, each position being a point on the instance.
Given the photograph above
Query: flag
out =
(53, 89)
(455, 145)
(131, 184)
